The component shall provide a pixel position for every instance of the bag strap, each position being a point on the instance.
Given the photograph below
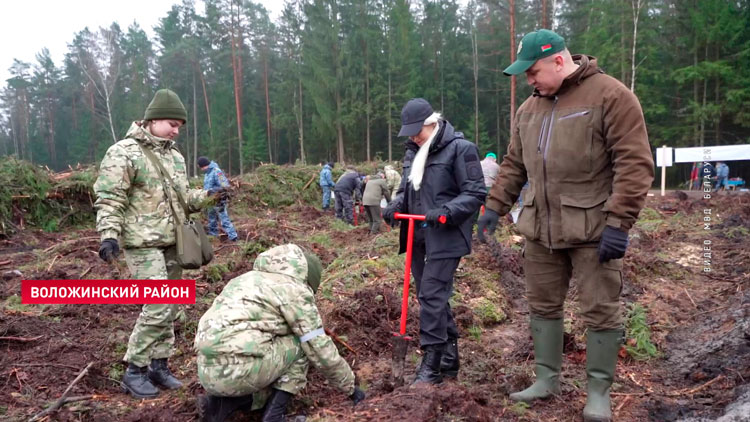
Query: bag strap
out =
(165, 180)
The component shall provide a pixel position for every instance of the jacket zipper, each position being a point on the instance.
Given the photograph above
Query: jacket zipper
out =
(570, 116)
(541, 135)
(544, 168)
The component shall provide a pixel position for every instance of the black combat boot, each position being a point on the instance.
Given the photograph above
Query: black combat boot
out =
(160, 374)
(429, 370)
(449, 364)
(276, 406)
(135, 381)
(217, 409)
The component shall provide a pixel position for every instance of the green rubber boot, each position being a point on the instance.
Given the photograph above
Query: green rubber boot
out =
(601, 359)
(548, 345)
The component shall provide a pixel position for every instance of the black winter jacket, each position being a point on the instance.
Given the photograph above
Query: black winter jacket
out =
(452, 180)
(348, 183)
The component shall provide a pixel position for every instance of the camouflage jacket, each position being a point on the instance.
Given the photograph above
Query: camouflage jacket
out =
(270, 301)
(131, 201)
(393, 179)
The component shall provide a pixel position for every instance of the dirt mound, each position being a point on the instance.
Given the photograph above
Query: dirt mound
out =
(423, 403)
(370, 317)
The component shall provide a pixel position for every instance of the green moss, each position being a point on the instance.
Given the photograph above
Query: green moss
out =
(488, 312)
(475, 332)
(649, 220)
(215, 273)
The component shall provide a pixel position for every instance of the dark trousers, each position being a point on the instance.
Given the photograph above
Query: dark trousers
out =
(373, 215)
(434, 279)
(345, 207)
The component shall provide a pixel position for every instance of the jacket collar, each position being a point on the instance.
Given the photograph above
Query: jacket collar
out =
(445, 135)
(587, 66)
(139, 132)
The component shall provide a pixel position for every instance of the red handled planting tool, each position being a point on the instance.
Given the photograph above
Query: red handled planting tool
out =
(400, 339)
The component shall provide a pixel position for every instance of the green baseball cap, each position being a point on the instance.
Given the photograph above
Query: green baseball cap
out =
(534, 46)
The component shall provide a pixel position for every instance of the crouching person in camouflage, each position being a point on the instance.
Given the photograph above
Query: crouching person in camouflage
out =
(133, 212)
(260, 335)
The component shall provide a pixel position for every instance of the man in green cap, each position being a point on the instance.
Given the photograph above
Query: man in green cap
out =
(260, 335)
(580, 141)
(133, 212)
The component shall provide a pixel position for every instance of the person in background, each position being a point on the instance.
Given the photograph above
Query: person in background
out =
(722, 176)
(580, 141)
(214, 181)
(375, 189)
(347, 188)
(326, 184)
(261, 334)
(490, 169)
(393, 179)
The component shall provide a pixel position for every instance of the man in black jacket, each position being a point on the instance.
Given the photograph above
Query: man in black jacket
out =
(442, 177)
(347, 189)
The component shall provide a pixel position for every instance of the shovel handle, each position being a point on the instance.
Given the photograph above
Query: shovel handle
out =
(399, 216)
(407, 267)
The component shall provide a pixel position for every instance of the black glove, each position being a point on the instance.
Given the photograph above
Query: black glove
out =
(612, 244)
(389, 211)
(109, 249)
(432, 216)
(357, 396)
(488, 220)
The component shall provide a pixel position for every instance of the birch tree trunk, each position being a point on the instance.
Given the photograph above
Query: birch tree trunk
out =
(268, 107)
(475, 65)
(300, 125)
(388, 118)
(636, 8)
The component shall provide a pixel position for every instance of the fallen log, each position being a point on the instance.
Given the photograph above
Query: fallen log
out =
(21, 339)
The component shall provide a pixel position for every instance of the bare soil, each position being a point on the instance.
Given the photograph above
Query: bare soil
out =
(700, 322)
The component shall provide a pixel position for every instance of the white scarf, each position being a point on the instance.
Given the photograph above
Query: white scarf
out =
(417, 166)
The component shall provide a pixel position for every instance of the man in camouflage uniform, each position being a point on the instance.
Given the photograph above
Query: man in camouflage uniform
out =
(133, 210)
(393, 179)
(260, 335)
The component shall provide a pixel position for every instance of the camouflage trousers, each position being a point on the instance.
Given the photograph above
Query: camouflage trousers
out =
(153, 334)
(219, 214)
(283, 368)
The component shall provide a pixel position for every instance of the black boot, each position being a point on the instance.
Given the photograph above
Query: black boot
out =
(429, 370)
(217, 409)
(449, 364)
(276, 406)
(135, 381)
(159, 373)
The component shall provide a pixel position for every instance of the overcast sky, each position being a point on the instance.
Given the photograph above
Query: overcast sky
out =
(27, 26)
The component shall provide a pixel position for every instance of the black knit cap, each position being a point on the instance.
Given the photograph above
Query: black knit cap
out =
(203, 161)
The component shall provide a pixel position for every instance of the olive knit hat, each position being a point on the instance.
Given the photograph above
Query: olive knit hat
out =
(166, 105)
(314, 270)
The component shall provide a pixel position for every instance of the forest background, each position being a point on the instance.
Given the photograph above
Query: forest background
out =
(328, 78)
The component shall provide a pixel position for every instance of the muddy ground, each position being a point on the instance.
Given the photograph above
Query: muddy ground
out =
(699, 322)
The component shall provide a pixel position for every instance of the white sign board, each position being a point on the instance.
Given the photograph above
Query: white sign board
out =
(720, 153)
(664, 157)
